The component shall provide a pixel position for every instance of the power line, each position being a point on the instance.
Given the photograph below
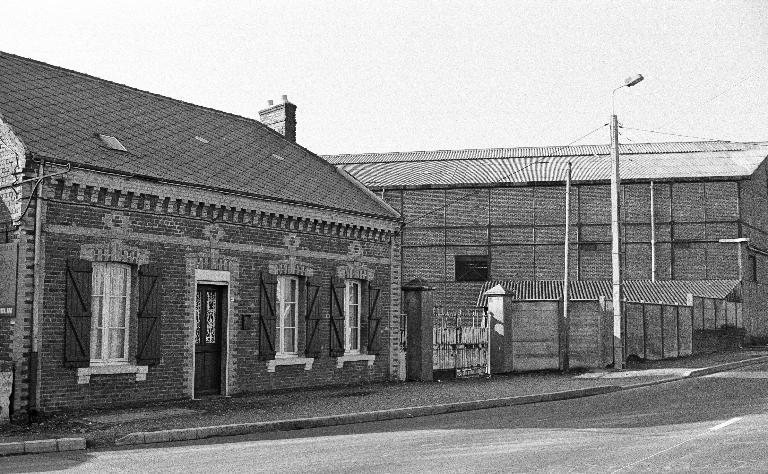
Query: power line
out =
(509, 175)
(659, 132)
(710, 99)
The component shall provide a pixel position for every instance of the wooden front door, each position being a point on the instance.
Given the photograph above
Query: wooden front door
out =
(209, 309)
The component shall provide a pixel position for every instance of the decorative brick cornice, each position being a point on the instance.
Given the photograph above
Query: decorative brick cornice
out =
(89, 187)
(354, 269)
(213, 260)
(291, 266)
(114, 251)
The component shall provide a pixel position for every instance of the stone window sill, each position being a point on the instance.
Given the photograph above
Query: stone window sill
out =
(353, 358)
(84, 373)
(305, 361)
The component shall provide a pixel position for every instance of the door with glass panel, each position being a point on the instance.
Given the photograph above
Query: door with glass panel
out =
(208, 343)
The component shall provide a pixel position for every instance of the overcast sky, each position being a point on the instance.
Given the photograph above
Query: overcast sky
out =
(397, 76)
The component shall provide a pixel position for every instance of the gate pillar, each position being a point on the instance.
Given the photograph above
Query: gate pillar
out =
(418, 306)
(498, 311)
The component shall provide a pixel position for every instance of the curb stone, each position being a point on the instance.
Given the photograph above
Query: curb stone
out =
(363, 417)
(412, 412)
(185, 434)
(727, 366)
(42, 446)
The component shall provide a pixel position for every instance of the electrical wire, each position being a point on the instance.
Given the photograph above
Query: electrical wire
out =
(710, 99)
(659, 132)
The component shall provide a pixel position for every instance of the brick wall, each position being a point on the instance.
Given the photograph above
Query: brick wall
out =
(754, 223)
(177, 236)
(16, 329)
(521, 230)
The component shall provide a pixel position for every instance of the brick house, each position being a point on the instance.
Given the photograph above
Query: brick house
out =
(173, 251)
(689, 211)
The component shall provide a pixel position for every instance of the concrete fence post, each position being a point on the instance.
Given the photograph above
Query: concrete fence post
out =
(418, 306)
(497, 346)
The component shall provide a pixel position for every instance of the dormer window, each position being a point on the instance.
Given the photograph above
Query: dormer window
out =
(111, 142)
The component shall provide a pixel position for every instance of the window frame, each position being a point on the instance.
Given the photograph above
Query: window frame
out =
(107, 272)
(348, 304)
(466, 259)
(283, 282)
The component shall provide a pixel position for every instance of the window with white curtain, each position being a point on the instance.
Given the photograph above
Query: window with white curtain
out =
(352, 317)
(110, 303)
(288, 316)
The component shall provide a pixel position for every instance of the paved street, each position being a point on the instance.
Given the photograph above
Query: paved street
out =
(717, 423)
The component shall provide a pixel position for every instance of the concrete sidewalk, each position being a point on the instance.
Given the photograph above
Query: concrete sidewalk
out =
(289, 410)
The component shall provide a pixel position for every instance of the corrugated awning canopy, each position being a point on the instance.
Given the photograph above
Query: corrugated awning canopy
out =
(672, 292)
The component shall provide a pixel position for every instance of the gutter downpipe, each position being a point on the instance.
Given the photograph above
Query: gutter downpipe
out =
(34, 362)
(653, 236)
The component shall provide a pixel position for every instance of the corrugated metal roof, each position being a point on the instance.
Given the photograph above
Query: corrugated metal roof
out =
(59, 113)
(536, 152)
(674, 292)
(666, 161)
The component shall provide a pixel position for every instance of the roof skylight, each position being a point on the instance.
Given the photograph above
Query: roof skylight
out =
(112, 142)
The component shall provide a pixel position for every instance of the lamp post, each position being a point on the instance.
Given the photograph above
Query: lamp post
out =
(618, 346)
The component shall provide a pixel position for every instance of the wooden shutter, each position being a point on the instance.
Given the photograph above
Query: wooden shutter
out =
(337, 317)
(267, 316)
(148, 316)
(363, 315)
(77, 316)
(373, 319)
(313, 319)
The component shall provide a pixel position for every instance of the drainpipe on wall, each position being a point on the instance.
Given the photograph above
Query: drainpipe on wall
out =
(653, 236)
(34, 362)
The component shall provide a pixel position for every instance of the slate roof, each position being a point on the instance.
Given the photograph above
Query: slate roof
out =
(58, 113)
(672, 292)
(644, 161)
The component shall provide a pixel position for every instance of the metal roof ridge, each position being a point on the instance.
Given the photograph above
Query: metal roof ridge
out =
(547, 150)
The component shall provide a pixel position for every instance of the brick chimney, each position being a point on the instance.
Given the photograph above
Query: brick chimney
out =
(280, 118)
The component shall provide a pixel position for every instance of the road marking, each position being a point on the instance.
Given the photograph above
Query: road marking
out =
(739, 375)
(714, 428)
(656, 454)
(725, 423)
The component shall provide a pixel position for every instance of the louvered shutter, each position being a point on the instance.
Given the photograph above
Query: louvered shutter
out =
(364, 316)
(337, 317)
(77, 316)
(267, 316)
(373, 319)
(148, 316)
(313, 319)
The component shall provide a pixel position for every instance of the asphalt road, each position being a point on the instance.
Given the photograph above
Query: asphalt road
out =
(710, 424)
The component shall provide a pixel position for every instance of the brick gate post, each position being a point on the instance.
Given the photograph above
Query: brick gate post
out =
(418, 306)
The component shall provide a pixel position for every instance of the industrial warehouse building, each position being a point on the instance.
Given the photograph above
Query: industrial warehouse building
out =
(689, 211)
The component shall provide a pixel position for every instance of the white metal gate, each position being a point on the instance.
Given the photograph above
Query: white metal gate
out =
(460, 341)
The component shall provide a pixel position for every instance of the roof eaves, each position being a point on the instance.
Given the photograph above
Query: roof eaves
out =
(211, 188)
(367, 191)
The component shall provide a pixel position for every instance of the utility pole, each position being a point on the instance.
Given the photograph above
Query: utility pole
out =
(618, 346)
(565, 324)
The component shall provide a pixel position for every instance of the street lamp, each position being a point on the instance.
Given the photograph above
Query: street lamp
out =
(618, 346)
